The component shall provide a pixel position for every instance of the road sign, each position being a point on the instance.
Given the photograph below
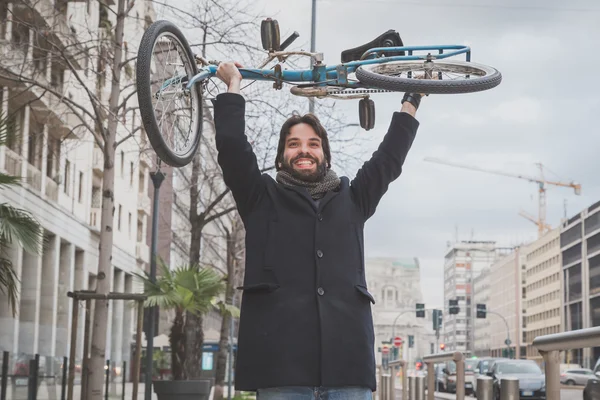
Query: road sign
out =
(385, 350)
(507, 342)
(397, 341)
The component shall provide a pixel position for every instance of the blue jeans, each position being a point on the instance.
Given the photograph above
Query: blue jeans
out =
(314, 393)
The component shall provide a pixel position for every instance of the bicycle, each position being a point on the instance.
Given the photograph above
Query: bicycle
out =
(381, 65)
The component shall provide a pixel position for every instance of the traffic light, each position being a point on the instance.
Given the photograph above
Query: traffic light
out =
(419, 365)
(442, 346)
(453, 307)
(437, 319)
(481, 311)
(420, 310)
(411, 341)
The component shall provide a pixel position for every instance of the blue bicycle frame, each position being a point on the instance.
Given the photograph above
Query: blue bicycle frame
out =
(336, 75)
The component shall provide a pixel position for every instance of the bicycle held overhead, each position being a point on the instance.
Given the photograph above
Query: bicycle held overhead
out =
(172, 81)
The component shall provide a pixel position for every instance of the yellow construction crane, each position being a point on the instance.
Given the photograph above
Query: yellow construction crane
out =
(543, 227)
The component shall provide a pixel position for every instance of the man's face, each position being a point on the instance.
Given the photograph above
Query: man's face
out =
(303, 155)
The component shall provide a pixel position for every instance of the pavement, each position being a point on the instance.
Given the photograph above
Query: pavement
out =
(565, 394)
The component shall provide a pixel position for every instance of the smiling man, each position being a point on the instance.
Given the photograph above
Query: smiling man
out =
(306, 330)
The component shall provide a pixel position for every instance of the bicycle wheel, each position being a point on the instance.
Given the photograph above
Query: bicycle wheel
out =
(171, 114)
(453, 77)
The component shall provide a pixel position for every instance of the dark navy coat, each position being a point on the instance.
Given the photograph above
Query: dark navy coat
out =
(306, 310)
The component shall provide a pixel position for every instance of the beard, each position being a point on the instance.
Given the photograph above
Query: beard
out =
(305, 175)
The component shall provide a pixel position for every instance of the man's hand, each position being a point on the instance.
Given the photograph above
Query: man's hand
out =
(228, 72)
(407, 107)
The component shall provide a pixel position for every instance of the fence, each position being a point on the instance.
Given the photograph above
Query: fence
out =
(38, 377)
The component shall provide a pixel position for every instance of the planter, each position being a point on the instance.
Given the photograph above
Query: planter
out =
(183, 390)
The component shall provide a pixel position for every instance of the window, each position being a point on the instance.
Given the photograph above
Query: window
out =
(122, 164)
(129, 226)
(80, 195)
(67, 176)
(119, 217)
(571, 235)
(574, 282)
(571, 255)
(131, 173)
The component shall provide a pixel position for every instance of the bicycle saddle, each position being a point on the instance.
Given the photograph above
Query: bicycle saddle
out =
(390, 38)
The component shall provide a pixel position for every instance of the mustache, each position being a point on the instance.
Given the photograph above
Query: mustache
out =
(304, 155)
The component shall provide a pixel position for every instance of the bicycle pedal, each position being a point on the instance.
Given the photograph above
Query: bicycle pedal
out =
(366, 113)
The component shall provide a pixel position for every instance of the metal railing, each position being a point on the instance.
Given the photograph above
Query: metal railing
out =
(387, 383)
(458, 358)
(550, 346)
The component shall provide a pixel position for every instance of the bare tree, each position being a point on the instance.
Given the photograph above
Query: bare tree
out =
(90, 59)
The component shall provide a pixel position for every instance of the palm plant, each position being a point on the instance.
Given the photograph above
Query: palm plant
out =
(17, 227)
(184, 289)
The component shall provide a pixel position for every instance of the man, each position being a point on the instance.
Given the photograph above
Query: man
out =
(306, 330)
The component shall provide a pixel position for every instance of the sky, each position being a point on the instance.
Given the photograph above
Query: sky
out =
(545, 110)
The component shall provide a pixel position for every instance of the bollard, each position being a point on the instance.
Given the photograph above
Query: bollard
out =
(63, 384)
(123, 380)
(412, 388)
(509, 389)
(460, 379)
(392, 383)
(419, 388)
(4, 381)
(485, 388)
(107, 380)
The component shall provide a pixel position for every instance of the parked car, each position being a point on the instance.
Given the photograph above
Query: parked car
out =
(532, 382)
(449, 376)
(578, 376)
(482, 367)
(592, 389)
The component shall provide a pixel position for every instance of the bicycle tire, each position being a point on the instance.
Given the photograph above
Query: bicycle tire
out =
(144, 93)
(484, 78)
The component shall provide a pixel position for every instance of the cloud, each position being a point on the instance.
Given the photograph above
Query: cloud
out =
(524, 110)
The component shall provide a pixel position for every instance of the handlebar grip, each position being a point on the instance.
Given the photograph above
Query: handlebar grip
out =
(289, 40)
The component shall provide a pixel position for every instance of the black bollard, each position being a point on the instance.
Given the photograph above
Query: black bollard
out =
(4, 381)
(107, 379)
(123, 374)
(63, 386)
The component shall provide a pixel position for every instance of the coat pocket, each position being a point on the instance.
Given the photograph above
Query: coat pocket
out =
(363, 290)
(259, 287)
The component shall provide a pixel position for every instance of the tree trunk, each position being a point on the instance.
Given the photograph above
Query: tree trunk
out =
(99, 332)
(224, 340)
(177, 341)
(193, 326)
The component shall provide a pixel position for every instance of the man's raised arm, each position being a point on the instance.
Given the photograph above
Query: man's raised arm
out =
(373, 178)
(235, 155)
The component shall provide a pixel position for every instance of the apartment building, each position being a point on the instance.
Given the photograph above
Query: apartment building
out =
(507, 302)
(64, 171)
(463, 262)
(580, 248)
(481, 332)
(543, 289)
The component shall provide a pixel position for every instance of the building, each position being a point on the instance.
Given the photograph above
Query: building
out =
(507, 303)
(543, 289)
(395, 283)
(463, 262)
(64, 170)
(580, 248)
(481, 295)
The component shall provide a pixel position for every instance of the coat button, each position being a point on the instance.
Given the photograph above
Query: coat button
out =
(320, 217)
(320, 291)
(319, 254)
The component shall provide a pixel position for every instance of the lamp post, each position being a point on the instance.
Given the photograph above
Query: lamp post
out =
(157, 178)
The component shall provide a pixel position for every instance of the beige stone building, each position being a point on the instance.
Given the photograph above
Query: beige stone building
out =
(506, 299)
(543, 288)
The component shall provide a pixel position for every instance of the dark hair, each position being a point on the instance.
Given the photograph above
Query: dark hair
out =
(313, 122)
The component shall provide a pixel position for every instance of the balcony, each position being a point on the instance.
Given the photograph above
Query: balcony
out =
(143, 203)
(98, 161)
(142, 252)
(12, 162)
(34, 177)
(51, 190)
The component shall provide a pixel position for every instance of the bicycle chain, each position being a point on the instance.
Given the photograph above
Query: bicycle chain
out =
(359, 91)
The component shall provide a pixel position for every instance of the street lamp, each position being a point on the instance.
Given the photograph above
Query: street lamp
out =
(157, 178)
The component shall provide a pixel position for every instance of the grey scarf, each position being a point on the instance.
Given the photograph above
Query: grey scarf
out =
(316, 189)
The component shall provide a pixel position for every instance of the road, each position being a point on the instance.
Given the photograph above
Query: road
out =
(565, 394)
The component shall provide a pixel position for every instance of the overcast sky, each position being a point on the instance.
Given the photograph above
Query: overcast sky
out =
(545, 110)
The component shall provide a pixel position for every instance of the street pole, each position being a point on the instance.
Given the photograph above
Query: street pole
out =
(157, 179)
(507, 341)
(313, 34)
(230, 355)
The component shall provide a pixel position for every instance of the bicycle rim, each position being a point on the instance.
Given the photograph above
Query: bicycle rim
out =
(175, 108)
(445, 76)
